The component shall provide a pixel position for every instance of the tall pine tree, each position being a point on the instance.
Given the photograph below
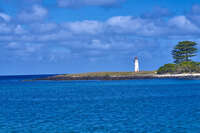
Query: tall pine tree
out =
(183, 51)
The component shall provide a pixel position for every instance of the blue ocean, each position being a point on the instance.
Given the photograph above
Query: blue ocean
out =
(132, 106)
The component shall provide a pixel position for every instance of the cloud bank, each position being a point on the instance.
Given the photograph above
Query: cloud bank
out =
(82, 3)
(31, 38)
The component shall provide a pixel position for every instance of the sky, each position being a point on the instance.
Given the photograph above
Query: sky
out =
(76, 36)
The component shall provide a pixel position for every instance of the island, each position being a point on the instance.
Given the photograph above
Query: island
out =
(182, 68)
(121, 76)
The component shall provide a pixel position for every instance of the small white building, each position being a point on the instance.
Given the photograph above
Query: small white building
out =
(136, 63)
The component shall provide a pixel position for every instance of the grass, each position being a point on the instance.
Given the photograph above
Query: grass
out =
(111, 74)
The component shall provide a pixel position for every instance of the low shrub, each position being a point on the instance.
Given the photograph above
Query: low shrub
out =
(184, 67)
(167, 68)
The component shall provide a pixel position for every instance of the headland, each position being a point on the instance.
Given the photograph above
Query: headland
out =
(121, 76)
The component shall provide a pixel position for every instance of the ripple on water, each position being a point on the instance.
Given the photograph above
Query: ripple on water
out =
(138, 106)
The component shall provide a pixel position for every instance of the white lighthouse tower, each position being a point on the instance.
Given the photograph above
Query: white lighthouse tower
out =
(136, 63)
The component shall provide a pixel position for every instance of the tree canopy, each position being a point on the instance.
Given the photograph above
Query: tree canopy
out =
(182, 54)
(183, 51)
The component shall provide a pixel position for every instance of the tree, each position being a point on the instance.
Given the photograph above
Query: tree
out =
(183, 51)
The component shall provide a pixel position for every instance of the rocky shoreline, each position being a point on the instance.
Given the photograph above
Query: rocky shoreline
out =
(152, 76)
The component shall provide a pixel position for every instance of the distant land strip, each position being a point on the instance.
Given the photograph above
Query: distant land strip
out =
(121, 76)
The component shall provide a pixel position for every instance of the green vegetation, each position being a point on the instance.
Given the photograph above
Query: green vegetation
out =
(182, 54)
(108, 74)
(183, 51)
(184, 67)
(167, 68)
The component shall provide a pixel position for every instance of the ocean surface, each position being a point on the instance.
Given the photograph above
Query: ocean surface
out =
(134, 106)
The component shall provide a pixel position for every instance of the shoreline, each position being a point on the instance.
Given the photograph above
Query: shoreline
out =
(130, 77)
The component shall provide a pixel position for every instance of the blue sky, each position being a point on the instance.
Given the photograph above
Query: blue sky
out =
(73, 36)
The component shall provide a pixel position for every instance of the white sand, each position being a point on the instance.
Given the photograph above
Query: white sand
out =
(177, 75)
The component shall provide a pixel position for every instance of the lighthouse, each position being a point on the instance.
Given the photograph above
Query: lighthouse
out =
(136, 63)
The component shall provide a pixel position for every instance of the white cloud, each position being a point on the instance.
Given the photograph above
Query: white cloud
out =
(120, 21)
(5, 28)
(27, 38)
(80, 3)
(19, 30)
(126, 24)
(90, 27)
(97, 44)
(44, 27)
(35, 14)
(183, 24)
(4, 16)
(57, 36)
(59, 53)
(138, 26)
(195, 9)
(13, 45)
(23, 48)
